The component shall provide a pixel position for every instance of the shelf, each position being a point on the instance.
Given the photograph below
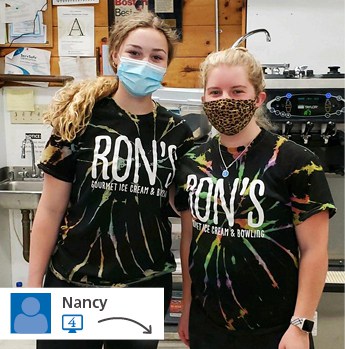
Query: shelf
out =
(54, 79)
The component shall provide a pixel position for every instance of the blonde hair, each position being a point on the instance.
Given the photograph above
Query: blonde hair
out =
(122, 28)
(239, 56)
(71, 108)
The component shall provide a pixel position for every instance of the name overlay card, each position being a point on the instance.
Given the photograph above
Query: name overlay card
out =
(81, 313)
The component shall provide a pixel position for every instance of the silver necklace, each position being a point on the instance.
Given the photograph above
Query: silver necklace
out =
(225, 172)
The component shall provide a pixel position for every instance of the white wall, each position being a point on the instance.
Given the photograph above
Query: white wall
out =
(15, 133)
(5, 250)
(2, 134)
(14, 267)
(309, 32)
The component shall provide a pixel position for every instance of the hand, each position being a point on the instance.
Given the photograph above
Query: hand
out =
(294, 338)
(183, 327)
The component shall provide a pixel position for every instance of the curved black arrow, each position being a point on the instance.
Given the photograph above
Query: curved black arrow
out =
(147, 330)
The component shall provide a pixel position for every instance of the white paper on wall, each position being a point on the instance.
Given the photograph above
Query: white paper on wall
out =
(76, 31)
(78, 67)
(28, 61)
(20, 99)
(74, 2)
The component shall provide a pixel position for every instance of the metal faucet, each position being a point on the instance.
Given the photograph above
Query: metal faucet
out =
(306, 134)
(34, 173)
(245, 36)
(329, 132)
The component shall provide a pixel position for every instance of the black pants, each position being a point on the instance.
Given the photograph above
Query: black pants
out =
(164, 281)
(204, 334)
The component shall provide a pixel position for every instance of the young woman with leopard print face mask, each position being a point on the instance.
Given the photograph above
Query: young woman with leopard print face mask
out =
(230, 98)
(255, 209)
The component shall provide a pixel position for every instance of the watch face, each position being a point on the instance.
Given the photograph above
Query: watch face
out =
(308, 325)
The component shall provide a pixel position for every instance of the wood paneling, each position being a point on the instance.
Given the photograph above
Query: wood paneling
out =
(199, 41)
(230, 12)
(199, 36)
(183, 72)
(202, 12)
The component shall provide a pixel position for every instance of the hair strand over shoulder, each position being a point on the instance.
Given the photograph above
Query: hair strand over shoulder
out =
(71, 108)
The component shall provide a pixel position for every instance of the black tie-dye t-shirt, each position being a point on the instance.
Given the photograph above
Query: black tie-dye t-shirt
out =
(244, 252)
(116, 229)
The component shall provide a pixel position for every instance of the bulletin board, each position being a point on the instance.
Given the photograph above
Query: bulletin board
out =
(48, 21)
(169, 10)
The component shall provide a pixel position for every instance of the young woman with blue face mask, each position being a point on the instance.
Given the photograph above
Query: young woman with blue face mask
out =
(255, 209)
(109, 164)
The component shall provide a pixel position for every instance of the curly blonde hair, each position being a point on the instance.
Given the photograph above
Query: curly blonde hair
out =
(71, 108)
(239, 56)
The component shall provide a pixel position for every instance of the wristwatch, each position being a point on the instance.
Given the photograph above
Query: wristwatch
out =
(304, 324)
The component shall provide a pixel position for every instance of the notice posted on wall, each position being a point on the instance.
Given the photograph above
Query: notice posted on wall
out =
(164, 6)
(123, 8)
(74, 2)
(75, 31)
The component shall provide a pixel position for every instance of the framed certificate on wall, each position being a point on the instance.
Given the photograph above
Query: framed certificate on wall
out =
(169, 10)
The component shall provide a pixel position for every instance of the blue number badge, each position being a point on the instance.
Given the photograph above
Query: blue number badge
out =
(72, 322)
(30, 313)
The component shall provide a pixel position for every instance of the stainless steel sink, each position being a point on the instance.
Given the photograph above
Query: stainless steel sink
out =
(22, 186)
(20, 194)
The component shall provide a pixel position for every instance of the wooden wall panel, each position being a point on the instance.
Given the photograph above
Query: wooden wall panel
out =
(199, 41)
(199, 36)
(183, 72)
(198, 12)
(202, 12)
(229, 34)
(230, 12)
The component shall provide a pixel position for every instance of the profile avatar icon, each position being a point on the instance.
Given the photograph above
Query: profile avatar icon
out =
(30, 313)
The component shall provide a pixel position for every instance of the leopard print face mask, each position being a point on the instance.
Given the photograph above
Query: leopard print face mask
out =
(229, 116)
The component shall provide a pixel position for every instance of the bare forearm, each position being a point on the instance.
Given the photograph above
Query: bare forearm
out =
(186, 237)
(43, 240)
(312, 238)
(312, 274)
(51, 208)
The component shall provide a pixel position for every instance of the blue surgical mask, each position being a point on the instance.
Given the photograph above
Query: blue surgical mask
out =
(140, 78)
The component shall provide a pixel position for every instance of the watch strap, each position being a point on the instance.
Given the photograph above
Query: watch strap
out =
(304, 324)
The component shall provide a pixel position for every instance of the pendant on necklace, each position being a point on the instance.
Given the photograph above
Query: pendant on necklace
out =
(225, 173)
